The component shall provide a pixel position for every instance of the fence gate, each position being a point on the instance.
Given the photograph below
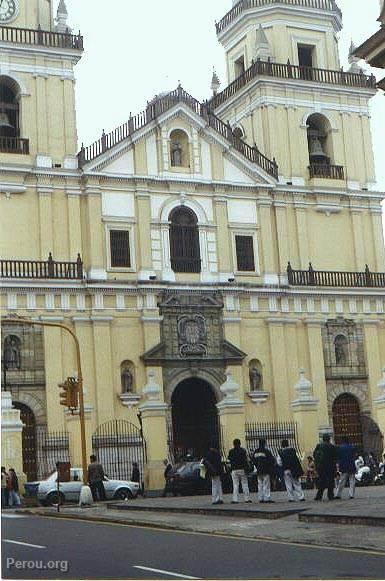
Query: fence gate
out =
(274, 433)
(51, 447)
(117, 444)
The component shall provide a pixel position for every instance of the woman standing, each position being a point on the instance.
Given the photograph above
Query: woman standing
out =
(13, 488)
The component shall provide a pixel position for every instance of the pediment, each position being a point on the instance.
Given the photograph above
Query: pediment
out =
(229, 355)
(146, 151)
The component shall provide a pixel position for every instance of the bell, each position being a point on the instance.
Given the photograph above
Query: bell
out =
(6, 129)
(317, 154)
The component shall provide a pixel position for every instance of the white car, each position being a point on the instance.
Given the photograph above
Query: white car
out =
(47, 492)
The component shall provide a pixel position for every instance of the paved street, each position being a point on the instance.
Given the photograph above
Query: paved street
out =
(81, 550)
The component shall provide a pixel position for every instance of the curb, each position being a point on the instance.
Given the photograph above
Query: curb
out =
(269, 515)
(373, 521)
(184, 528)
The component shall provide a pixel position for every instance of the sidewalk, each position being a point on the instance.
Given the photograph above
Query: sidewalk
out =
(254, 521)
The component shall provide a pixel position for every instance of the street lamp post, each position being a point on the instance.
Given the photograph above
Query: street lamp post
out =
(21, 321)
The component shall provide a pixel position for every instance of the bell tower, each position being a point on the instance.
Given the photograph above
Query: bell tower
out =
(289, 95)
(37, 97)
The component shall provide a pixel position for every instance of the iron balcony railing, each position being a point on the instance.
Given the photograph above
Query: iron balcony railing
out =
(240, 7)
(292, 72)
(41, 37)
(333, 172)
(14, 145)
(311, 277)
(42, 269)
(162, 104)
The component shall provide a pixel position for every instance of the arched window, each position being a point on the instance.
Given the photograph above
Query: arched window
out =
(179, 149)
(127, 377)
(9, 108)
(341, 348)
(184, 241)
(319, 140)
(11, 352)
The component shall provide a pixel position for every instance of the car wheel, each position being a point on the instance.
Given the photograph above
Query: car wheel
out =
(123, 494)
(54, 498)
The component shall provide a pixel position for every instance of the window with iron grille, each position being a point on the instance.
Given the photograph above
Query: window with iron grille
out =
(120, 248)
(184, 241)
(244, 246)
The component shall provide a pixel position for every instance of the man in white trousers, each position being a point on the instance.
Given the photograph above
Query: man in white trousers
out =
(239, 468)
(264, 463)
(347, 468)
(292, 471)
(213, 464)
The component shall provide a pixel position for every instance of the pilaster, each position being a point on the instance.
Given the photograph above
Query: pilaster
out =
(223, 240)
(317, 367)
(105, 393)
(374, 360)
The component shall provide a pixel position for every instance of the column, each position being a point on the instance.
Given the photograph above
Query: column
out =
(380, 403)
(280, 390)
(283, 236)
(45, 220)
(302, 234)
(378, 235)
(95, 234)
(317, 369)
(11, 440)
(225, 263)
(74, 224)
(358, 237)
(374, 359)
(105, 394)
(153, 418)
(231, 409)
(305, 415)
(267, 237)
(143, 211)
(54, 374)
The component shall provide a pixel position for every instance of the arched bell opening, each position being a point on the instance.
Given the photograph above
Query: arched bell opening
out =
(319, 140)
(9, 108)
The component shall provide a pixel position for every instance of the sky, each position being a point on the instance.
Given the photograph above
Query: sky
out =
(137, 49)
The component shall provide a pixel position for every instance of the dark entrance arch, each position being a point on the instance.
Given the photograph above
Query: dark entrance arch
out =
(347, 420)
(194, 418)
(28, 438)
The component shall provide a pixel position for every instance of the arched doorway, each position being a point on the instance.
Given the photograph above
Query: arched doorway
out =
(28, 438)
(347, 420)
(194, 418)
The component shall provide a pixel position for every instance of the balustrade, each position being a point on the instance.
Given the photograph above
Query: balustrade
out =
(41, 37)
(14, 145)
(42, 269)
(337, 279)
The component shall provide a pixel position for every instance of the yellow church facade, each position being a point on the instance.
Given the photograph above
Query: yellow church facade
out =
(221, 263)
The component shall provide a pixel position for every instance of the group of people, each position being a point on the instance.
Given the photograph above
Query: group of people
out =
(327, 461)
(10, 495)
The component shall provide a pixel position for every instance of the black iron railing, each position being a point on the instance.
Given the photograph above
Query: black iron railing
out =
(14, 145)
(41, 37)
(333, 172)
(273, 433)
(41, 269)
(337, 279)
(162, 104)
(240, 7)
(293, 72)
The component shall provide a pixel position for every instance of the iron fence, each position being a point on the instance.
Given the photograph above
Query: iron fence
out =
(274, 433)
(117, 444)
(51, 447)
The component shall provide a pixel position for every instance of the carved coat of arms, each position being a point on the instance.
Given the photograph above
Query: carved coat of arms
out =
(192, 336)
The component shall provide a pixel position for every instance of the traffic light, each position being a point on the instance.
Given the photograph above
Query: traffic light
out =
(69, 397)
(73, 393)
(65, 394)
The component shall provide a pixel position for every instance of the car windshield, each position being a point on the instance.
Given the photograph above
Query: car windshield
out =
(185, 468)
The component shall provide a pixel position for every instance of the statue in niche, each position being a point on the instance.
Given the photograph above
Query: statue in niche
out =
(176, 154)
(11, 353)
(127, 381)
(340, 345)
(255, 379)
